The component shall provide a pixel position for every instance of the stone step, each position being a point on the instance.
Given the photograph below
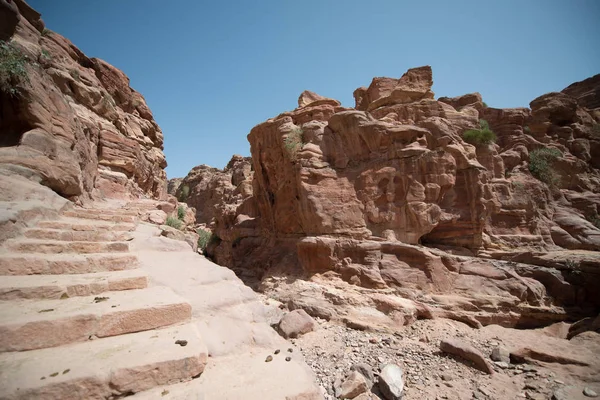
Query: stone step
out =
(57, 246)
(72, 235)
(104, 368)
(66, 286)
(100, 216)
(79, 225)
(52, 264)
(107, 211)
(36, 324)
(255, 379)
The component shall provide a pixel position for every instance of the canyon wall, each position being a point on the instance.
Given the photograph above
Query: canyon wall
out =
(73, 122)
(389, 195)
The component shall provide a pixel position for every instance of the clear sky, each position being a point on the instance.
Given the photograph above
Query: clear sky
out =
(211, 70)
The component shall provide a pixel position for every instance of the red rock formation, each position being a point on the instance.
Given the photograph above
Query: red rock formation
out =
(351, 195)
(76, 124)
(587, 92)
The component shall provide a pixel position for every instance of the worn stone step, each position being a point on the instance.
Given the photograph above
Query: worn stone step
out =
(52, 264)
(104, 368)
(57, 246)
(255, 380)
(36, 324)
(72, 235)
(75, 224)
(66, 286)
(101, 216)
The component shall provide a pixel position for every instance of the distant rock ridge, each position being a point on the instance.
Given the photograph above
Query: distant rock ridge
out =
(389, 196)
(76, 125)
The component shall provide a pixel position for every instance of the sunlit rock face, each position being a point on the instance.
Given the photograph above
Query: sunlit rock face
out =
(389, 196)
(75, 123)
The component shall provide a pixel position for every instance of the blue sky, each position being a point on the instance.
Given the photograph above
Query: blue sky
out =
(211, 70)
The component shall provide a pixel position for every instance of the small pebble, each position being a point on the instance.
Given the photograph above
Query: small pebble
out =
(276, 351)
(269, 359)
(181, 342)
(290, 350)
(288, 358)
(587, 392)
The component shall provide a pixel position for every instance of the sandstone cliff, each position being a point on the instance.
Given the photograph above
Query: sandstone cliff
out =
(70, 121)
(389, 197)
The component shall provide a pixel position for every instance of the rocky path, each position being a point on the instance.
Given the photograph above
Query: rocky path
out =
(333, 351)
(93, 306)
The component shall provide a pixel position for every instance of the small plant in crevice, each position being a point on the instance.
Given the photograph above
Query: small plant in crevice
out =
(527, 129)
(181, 213)
(13, 71)
(183, 193)
(570, 264)
(45, 55)
(173, 222)
(540, 164)
(75, 74)
(480, 137)
(293, 142)
(46, 32)
(203, 239)
(484, 104)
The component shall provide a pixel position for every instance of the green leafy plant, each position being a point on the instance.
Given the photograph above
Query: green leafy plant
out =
(13, 70)
(204, 239)
(484, 104)
(173, 222)
(75, 74)
(293, 141)
(571, 264)
(184, 192)
(480, 137)
(46, 55)
(540, 164)
(46, 32)
(181, 212)
(527, 129)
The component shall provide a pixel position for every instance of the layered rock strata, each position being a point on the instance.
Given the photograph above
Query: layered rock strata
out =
(73, 122)
(388, 198)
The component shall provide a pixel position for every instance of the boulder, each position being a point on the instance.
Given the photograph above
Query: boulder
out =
(296, 323)
(467, 352)
(500, 353)
(308, 98)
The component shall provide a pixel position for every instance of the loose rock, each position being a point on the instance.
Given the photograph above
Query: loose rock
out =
(296, 323)
(354, 385)
(467, 352)
(391, 382)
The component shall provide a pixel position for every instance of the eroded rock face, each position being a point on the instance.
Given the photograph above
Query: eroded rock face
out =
(349, 198)
(76, 123)
(207, 188)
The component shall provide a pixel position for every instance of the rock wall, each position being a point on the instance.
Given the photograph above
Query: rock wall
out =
(73, 122)
(389, 196)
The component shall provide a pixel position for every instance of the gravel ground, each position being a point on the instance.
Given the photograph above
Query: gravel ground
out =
(429, 374)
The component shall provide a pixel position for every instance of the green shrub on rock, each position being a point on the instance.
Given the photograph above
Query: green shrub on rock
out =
(173, 222)
(203, 239)
(13, 70)
(480, 137)
(540, 164)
